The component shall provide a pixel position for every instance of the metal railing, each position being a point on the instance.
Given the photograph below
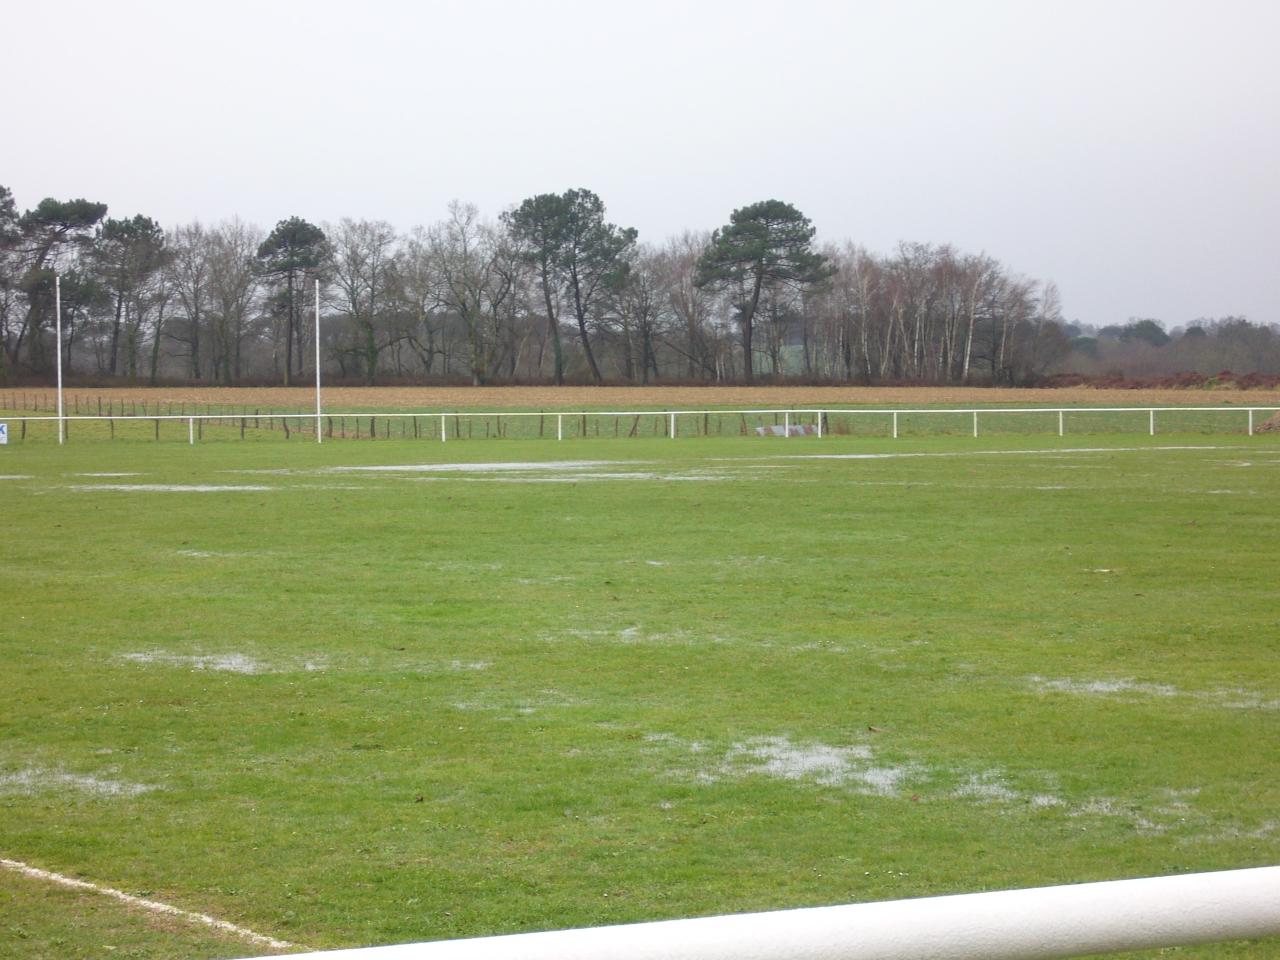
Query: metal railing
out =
(667, 423)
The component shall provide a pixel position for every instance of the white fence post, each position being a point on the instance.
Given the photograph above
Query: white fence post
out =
(1152, 427)
(191, 430)
(673, 426)
(559, 426)
(820, 412)
(1060, 423)
(1251, 423)
(786, 423)
(895, 424)
(975, 423)
(444, 433)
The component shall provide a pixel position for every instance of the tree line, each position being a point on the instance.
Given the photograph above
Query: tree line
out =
(551, 291)
(1142, 348)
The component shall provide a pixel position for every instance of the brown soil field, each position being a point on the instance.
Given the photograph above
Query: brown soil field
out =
(624, 398)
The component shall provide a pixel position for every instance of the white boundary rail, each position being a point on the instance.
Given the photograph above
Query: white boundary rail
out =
(820, 416)
(1034, 924)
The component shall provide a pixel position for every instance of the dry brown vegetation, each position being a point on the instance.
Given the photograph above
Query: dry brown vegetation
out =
(622, 398)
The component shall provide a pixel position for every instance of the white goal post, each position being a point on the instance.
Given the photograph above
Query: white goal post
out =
(1040, 923)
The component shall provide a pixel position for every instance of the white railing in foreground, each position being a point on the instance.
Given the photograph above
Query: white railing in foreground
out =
(1035, 924)
(668, 418)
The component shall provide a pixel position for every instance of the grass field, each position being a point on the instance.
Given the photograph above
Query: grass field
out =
(349, 694)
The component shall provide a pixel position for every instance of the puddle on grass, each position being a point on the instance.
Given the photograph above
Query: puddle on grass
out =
(41, 779)
(736, 561)
(1167, 810)
(549, 471)
(988, 787)
(468, 566)
(222, 662)
(861, 769)
(591, 477)
(169, 487)
(1263, 831)
(530, 465)
(520, 706)
(814, 646)
(852, 766)
(1045, 454)
(1109, 686)
(835, 766)
(1229, 698)
(635, 636)
(1238, 698)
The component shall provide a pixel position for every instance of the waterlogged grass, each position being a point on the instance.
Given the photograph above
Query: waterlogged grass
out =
(624, 680)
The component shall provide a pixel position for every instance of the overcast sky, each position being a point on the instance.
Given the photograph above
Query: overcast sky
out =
(1126, 150)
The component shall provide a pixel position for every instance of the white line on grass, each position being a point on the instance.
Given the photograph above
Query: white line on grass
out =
(153, 905)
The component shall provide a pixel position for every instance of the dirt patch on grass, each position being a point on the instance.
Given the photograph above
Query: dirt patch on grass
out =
(340, 399)
(1270, 425)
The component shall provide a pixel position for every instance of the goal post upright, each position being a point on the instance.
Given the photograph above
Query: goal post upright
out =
(319, 432)
(57, 316)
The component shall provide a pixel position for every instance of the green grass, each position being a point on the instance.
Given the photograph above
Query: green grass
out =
(694, 680)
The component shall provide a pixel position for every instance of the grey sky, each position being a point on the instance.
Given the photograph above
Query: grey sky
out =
(1126, 150)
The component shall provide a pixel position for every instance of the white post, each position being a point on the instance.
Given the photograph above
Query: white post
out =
(1152, 414)
(559, 426)
(1060, 423)
(1251, 423)
(975, 423)
(819, 424)
(319, 439)
(673, 426)
(191, 430)
(57, 315)
(443, 433)
(786, 423)
(1040, 923)
(895, 424)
